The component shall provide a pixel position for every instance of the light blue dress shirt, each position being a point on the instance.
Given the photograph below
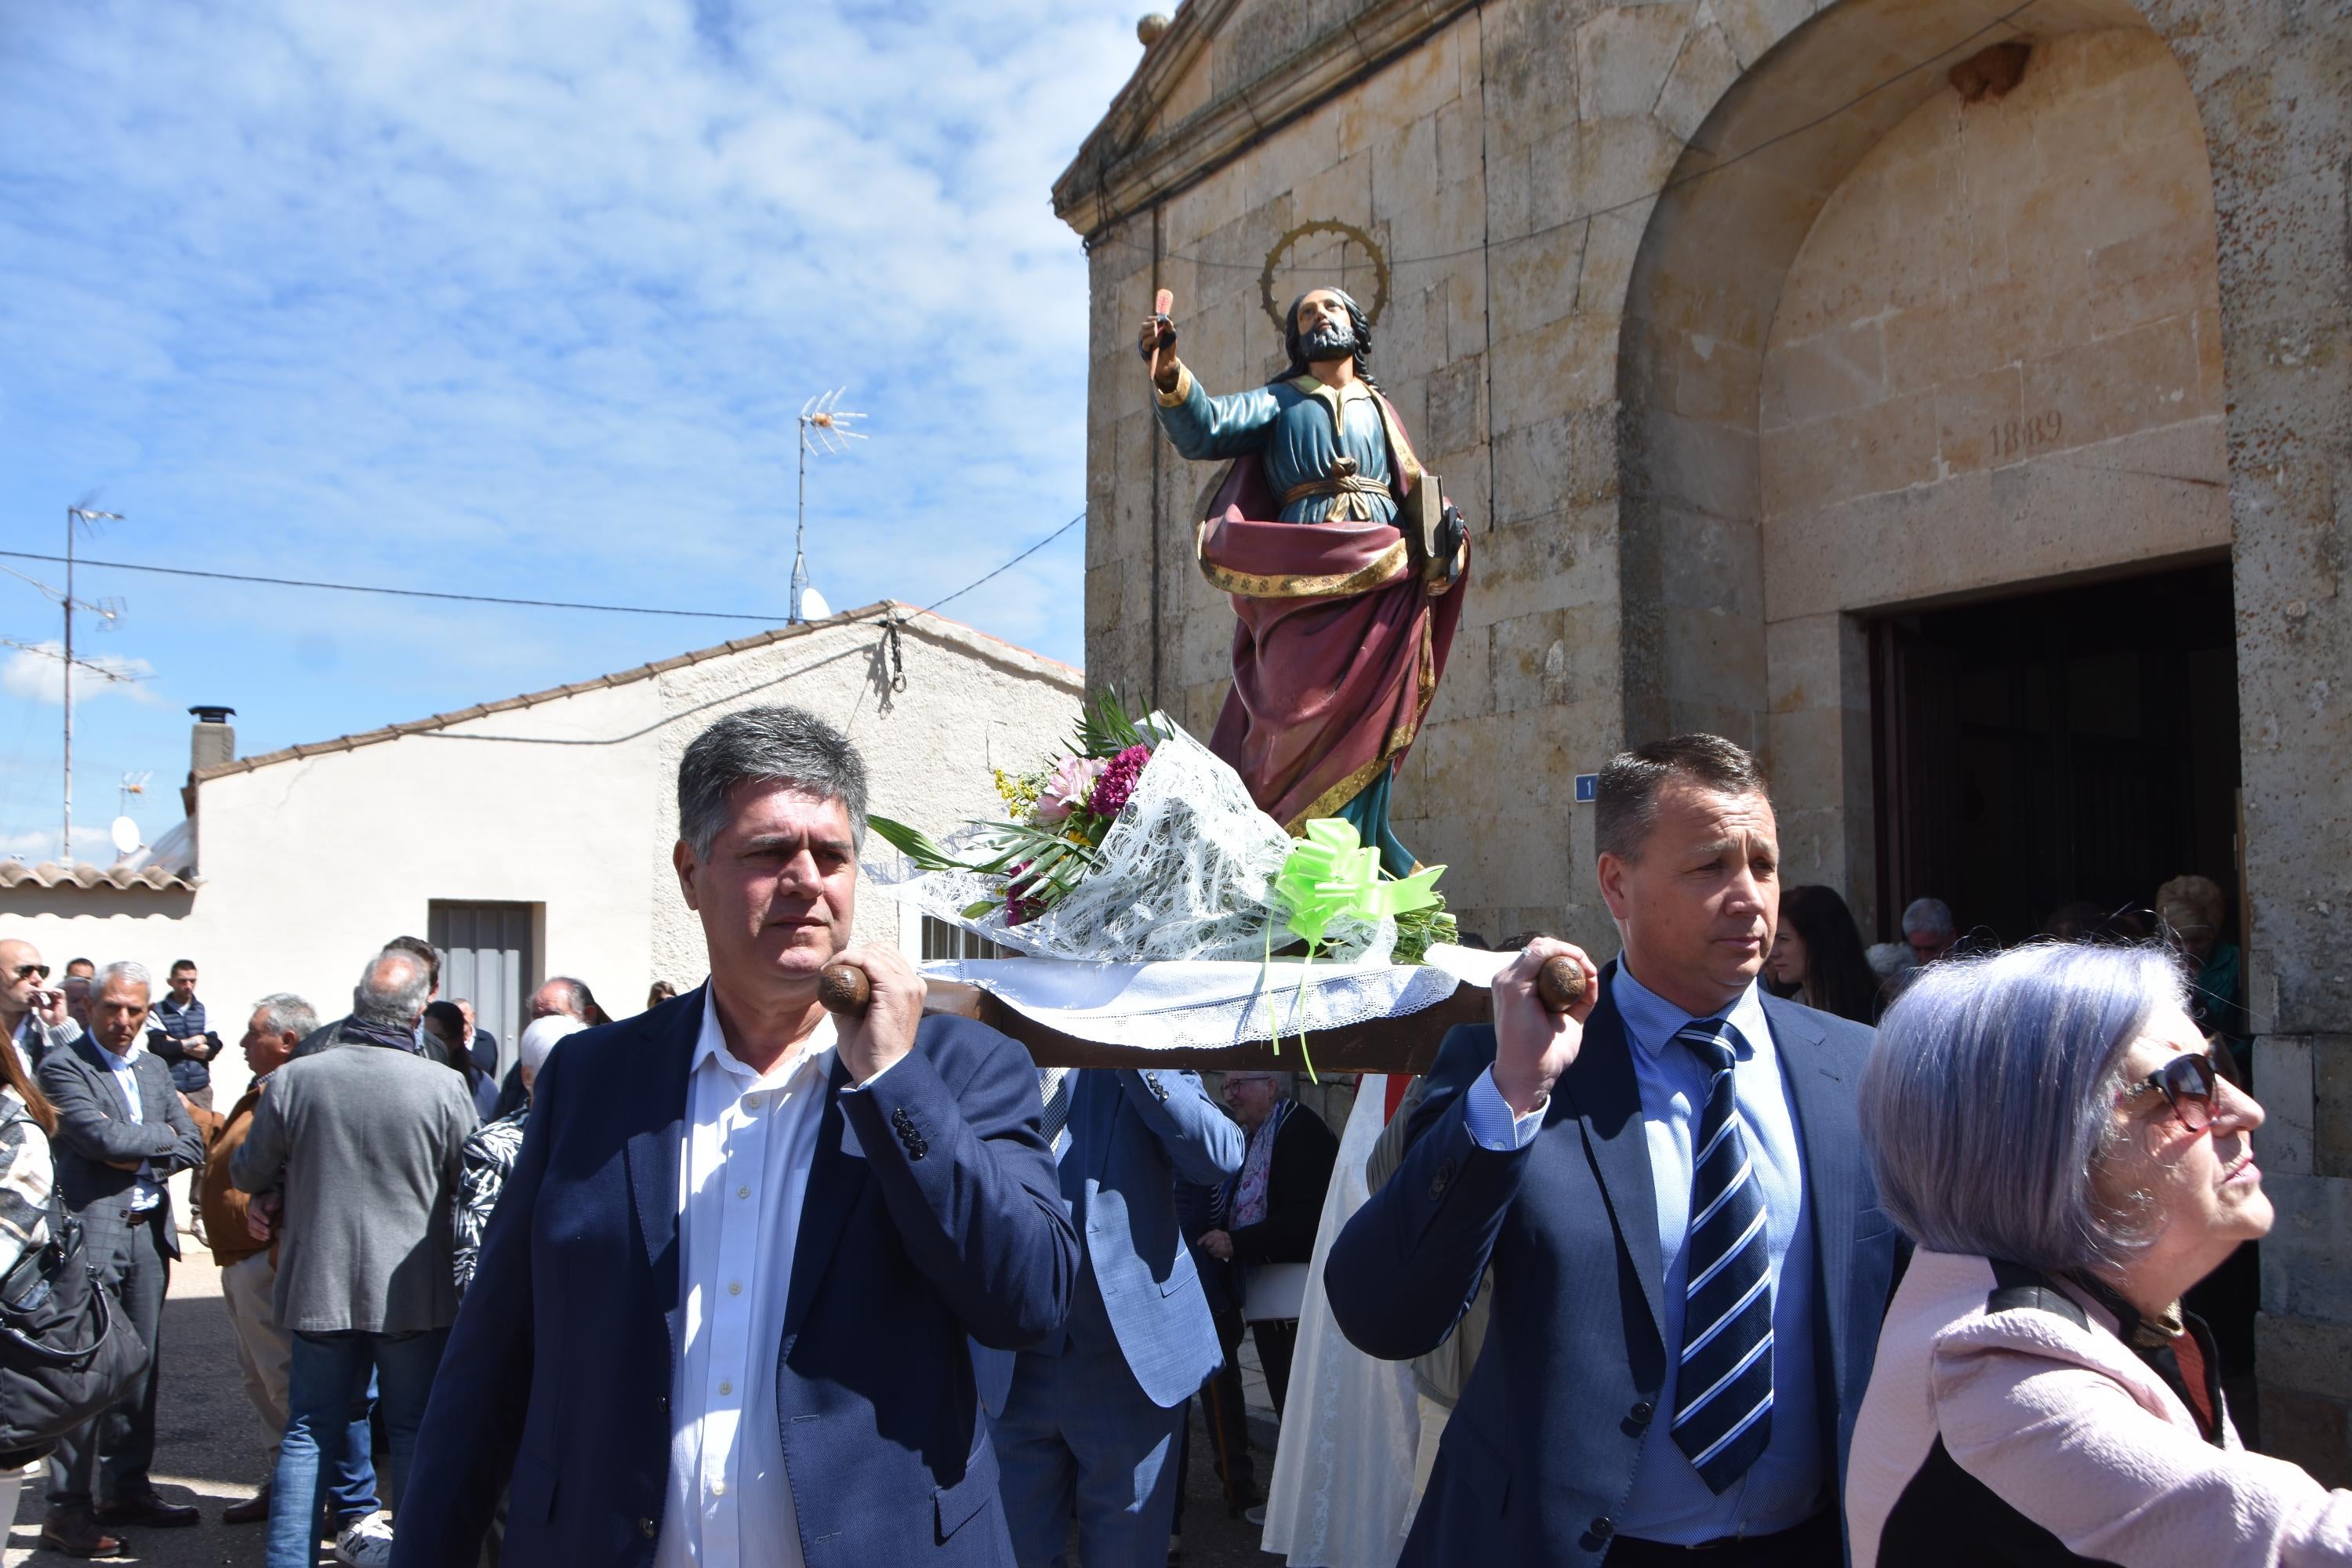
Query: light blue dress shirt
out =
(145, 1191)
(1787, 1484)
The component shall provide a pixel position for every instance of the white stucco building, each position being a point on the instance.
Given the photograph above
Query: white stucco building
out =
(531, 837)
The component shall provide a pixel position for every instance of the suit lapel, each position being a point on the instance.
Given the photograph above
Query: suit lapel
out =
(1599, 1089)
(1828, 1130)
(836, 1180)
(653, 1149)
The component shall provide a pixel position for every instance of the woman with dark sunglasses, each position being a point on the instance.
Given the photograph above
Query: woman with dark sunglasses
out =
(2047, 1127)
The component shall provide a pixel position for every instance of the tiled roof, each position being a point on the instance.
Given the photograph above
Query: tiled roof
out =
(15, 873)
(911, 618)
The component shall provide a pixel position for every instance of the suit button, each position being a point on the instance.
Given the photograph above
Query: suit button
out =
(1603, 1528)
(1443, 1179)
(1642, 1412)
(645, 1528)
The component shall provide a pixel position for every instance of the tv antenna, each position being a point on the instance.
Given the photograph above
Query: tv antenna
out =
(80, 518)
(825, 427)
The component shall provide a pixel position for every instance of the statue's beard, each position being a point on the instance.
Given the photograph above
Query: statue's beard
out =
(1329, 342)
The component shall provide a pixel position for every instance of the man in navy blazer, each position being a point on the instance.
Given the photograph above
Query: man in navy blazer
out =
(1094, 1414)
(1690, 1263)
(721, 1311)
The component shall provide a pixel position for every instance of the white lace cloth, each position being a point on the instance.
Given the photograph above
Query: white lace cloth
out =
(1206, 1004)
(1341, 1496)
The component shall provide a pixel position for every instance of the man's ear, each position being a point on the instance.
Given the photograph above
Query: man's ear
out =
(682, 857)
(1614, 872)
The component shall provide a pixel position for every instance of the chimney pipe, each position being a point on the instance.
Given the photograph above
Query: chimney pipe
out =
(212, 741)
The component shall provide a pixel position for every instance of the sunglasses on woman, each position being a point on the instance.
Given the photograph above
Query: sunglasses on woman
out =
(2187, 1084)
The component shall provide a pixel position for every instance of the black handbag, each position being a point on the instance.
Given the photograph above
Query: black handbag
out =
(65, 1353)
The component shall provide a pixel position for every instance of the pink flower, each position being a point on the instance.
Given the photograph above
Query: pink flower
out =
(1116, 784)
(1067, 789)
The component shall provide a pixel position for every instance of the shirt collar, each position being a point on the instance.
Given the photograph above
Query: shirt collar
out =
(119, 1064)
(1652, 1020)
(710, 1046)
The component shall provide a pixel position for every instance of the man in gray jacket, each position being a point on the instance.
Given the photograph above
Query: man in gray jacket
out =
(354, 1157)
(122, 1132)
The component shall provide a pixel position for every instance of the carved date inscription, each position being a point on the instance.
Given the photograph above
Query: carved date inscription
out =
(2011, 436)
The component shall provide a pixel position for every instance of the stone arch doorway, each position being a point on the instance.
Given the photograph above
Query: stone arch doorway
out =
(1887, 350)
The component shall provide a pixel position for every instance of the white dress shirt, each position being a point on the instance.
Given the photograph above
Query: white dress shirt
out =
(751, 1138)
(145, 1193)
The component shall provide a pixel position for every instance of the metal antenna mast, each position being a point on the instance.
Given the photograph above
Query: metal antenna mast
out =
(77, 517)
(825, 425)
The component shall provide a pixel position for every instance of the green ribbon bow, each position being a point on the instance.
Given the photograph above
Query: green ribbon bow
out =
(1330, 875)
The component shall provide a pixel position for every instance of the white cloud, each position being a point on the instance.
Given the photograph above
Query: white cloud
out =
(40, 673)
(522, 300)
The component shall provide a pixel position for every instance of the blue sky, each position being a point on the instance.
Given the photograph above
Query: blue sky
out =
(517, 299)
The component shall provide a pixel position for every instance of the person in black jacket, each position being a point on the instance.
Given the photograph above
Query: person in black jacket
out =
(1274, 1204)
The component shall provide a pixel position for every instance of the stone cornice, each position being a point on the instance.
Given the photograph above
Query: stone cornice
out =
(1118, 173)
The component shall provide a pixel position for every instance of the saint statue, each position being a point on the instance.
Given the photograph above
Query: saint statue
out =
(1341, 556)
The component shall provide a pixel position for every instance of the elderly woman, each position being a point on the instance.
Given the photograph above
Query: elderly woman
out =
(2047, 1125)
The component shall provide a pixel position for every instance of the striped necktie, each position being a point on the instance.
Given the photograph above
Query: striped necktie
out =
(1723, 1386)
(1054, 1088)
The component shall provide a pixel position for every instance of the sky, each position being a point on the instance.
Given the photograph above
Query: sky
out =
(518, 298)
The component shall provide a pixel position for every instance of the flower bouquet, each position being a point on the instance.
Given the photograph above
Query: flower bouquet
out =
(1139, 845)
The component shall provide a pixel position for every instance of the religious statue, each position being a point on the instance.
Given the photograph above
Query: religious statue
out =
(1341, 556)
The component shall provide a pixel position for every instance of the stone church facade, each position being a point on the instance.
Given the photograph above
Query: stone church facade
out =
(1973, 442)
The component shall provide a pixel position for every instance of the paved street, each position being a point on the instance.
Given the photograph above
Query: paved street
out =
(209, 1453)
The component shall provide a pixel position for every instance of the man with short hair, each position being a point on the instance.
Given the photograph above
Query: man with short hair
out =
(121, 1132)
(85, 967)
(560, 997)
(425, 954)
(177, 1035)
(248, 1268)
(33, 1016)
(1690, 1265)
(1927, 928)
(721, 1314)
(355, 1153)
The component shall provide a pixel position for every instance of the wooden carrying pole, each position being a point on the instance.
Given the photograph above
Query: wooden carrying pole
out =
(1405, 1045)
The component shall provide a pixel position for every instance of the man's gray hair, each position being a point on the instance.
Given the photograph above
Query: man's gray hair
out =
(283, 1013)
(392, 989)
(124, 969)
(1989, 1101)
(766, 745)
(1928, 917)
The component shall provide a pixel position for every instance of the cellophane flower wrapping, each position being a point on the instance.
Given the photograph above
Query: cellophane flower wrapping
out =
(1187, 872)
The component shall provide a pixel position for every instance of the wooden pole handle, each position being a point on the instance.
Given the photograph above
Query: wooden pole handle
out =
(844, 988)
(1560, 983)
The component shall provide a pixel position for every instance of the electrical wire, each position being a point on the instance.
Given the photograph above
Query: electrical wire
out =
(765, 619)
(1675, 183)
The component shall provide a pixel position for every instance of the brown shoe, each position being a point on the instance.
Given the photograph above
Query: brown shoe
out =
(145, 1507)
(254, 1509)
(73, 1531)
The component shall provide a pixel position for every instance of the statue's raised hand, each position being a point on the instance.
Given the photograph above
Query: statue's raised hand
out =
(1157, 342)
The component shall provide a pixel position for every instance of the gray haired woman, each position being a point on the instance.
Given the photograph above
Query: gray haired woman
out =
(2046, 1124)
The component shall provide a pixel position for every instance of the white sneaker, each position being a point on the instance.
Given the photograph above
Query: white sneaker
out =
(366, 1543)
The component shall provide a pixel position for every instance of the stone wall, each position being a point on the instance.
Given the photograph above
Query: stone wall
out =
(1660, 541)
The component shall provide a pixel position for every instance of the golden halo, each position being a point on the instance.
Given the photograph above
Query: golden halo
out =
(1326, 226)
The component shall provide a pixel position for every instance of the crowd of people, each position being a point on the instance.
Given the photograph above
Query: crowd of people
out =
(1767, 1247)
(343, 1197)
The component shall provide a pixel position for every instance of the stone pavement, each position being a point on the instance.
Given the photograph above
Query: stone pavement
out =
(208, 1452)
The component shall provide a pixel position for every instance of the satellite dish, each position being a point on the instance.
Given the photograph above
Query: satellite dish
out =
(125, 834)
(813, 606)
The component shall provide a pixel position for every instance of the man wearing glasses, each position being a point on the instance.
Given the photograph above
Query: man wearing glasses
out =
(34, 1016)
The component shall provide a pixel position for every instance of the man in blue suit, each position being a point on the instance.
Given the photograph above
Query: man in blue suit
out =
(721, 1315)
(1690, 1264)
(1095, 1412)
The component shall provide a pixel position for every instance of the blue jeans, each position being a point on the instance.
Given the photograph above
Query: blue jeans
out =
(326, 1393)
